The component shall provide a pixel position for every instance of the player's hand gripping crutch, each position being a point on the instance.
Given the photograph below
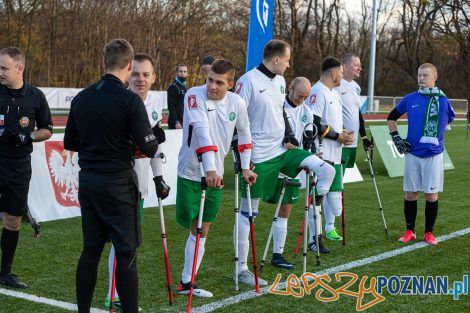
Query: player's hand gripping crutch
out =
(285, 182)
(236, 170)
(199, 153)
(113, 287)
(377, 192)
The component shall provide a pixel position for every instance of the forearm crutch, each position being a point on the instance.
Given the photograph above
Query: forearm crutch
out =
(199, 153)
(316, 219)
(308, 201)
(285, 182)
(377, 193)
(343, 219)
(165, 251)
(236, 170)
(113, 287)
(252, 236)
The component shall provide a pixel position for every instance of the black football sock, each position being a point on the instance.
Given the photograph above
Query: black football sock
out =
(8, 245)
(431, 215)
(411, 209)
(87, 271)
(127, 281)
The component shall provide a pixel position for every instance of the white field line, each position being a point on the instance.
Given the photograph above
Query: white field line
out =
(341, 268)
(59, 304)
(249, 294)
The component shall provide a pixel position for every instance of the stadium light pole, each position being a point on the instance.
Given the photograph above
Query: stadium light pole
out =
(373, 39)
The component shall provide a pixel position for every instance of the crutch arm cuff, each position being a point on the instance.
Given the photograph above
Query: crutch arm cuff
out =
(207, 149)
(245, 146)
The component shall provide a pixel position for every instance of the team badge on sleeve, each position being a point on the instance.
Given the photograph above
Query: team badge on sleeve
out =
(192, 103)
(232, 116)
(313, 99)
(238, 88)
(155, 115)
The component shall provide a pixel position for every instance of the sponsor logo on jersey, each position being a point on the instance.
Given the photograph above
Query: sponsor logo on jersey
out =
(232, 116)
(24, 121)
(238, 88)
(63, 171)
(304, 118)
(313, 99)
(155, 115)
(192, 103)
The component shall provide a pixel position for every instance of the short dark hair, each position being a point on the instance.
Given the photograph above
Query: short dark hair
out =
(117, 54)
(208, 60)
(328, 64)
(221, 67)
(14, 53)
(347, 58)
(180, 65)
(141, 57)
(275, 48)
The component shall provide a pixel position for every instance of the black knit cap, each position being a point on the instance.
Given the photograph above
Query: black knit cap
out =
(329, 62)
(208, 60)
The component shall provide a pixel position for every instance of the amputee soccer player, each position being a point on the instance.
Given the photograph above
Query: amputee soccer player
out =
(326, 106)
(429, 115)
(211, 114)
(274, 144)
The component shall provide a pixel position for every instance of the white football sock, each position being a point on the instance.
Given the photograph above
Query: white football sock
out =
(189, 257)
(110, 270)
(279, 235)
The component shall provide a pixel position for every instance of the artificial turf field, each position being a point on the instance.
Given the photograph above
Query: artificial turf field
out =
(48, 264)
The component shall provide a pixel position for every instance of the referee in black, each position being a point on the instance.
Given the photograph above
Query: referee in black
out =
(106, 123)
(22, 108)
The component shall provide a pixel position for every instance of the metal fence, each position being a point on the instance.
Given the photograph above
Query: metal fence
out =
(386, 104)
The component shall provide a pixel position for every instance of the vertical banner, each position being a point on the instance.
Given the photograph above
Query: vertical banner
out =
(260, 31)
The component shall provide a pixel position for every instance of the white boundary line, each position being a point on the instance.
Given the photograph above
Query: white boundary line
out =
(249, 294)
(252, 294)
(60, 304)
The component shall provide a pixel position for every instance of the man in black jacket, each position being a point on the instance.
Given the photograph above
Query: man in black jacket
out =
(22, 108)
(107, 123)
(175, 97)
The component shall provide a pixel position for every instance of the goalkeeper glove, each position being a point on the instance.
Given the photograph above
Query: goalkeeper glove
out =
(402, 146)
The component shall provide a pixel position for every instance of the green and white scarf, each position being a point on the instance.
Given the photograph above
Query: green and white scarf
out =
(431, 119)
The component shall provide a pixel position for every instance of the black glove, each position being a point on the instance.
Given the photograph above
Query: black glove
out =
(22, 139)
(163, 190)
(291, 139)
(5, 135)
(159, 133)
(402, 146)
(308, 140)
(367, 144)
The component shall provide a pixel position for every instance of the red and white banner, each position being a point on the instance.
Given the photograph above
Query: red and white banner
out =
(53, 191)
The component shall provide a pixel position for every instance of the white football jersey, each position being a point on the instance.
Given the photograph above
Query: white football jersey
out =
(300, 119)
(265, 99)
(142, 166)
(350, 96)
(326, 104)
(211, 123)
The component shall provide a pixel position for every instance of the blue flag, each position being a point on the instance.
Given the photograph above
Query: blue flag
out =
(260, 31)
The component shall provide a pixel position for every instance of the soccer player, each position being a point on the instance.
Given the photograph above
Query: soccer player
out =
(274, 145)
(300, 119)
(106, 122)
(22, 109)
(210, 116)
(429, 114)
(350, 91)
(326, 105)
(175, 97)
(141, 80)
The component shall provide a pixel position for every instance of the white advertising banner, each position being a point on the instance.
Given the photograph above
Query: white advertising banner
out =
(53, 192)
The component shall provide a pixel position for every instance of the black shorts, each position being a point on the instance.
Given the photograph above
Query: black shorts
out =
(109, 207)
(15, 175)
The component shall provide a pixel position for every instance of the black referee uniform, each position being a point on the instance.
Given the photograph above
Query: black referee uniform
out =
(105, 123)
(21, 110)
(175, 100)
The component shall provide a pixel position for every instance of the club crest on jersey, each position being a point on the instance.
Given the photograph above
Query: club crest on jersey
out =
(313, 99)
(192, 103)
(24, 121)
(283, 90)
(304, 118)
(358, 91)
(232, 116)
(238, 88)
(155, 115)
